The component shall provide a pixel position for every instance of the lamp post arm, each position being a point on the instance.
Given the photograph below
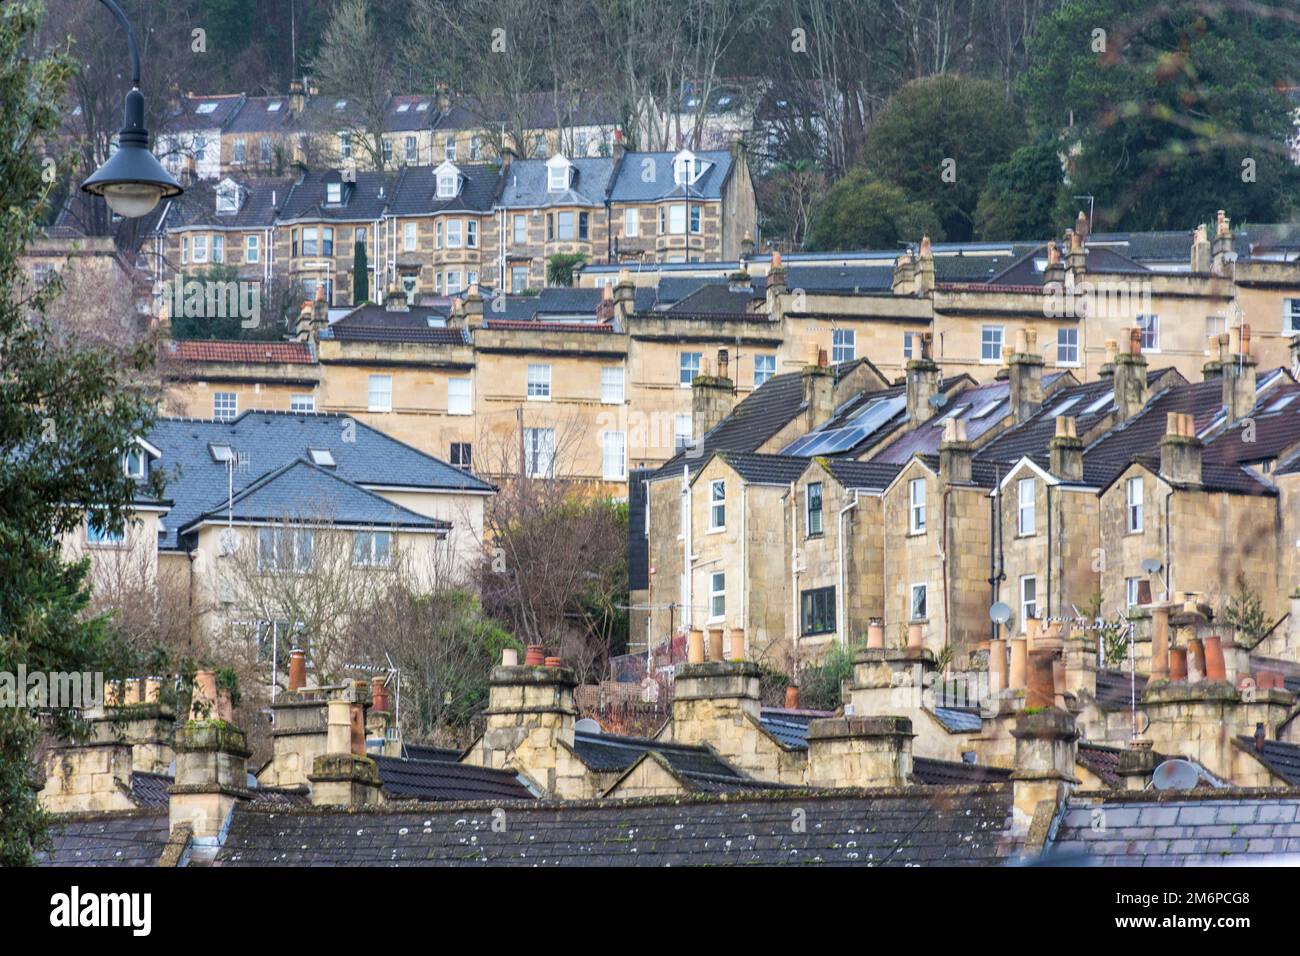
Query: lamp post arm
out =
(130, 40)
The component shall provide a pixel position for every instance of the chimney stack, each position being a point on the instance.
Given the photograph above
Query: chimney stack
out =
(1180, 451)
(1200, 250)
(954, 454)
(1221, 254)
(925, 268)
(860, 752)
(530, 728)
(395, 300)
(712, 398)
(211, 778)
(818, 392)
(1076, 256)
(1213, 369)
(625, 296)
(904, 280)
(1130, 377)
(922, 384)
(1107, 368)
(1025, 369)
(473, 308)
(1239, 375)
(1065, 450)
(341, 776)
(1046, 749)
(1054, 274)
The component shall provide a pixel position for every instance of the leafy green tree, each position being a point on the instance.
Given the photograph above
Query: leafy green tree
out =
(360, 274)
(211, 303)
(1023, 195)
(1169, 111)
(68, 407)
(937, 138)
(861, 212)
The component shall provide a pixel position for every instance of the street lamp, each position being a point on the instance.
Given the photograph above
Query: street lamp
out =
(132, 181)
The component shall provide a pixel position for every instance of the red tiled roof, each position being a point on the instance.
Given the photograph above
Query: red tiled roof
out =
(292, 353)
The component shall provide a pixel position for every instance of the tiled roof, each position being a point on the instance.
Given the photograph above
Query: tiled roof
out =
(270, 440)
(1101, 259)
(875, 279)
(202, 112)
(150, 789)
(759, 416)
(638, 544)
(117, 838)
(526, 184)
(405, 112)
(416, 191)
(948, 773)
(429, 752)
(1082, 402)
(439, 780)
(765, 469)
(871, 475)
(302, 490)
(611, 752)
(983, 408)
(1279, 756)
(1101, 760)
(211, 350)
(790, 726)
(364, 200)
(375, 323)
(262, 114)
(259, 202)
(716, 298)
(1273, 431)
(950, 826)
(1180, 829)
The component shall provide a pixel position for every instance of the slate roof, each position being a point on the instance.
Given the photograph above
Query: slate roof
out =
(1114, 689)
(185, 116)
(375, 323)
(1030, 439)
(525, 185)
(790, 726)
(765, 469)
(983, 408)
(1196, 828)
(260, 201)
(114, 838)
(1101, 760)
(866, 279)
(759, 416)
(304, 490)
(429, 752)
(270, 440)
(1279, 756)
(256, 116)
(403, 113)
(439, 780)
(717, 298)
(958, 720)
(362, 201)
(697, 767)
(943, 826)
(1101, 259)
(865, 475)
(949, 773)
(638, 544)
(213, 350)
(1274, 431)
(630, 180)
(416, 190)
(150, 789)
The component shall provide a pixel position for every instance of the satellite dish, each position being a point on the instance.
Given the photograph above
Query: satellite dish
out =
(1176, 774)
(1151, 566)
(227, 541)
(1000, 613)
(587, 726)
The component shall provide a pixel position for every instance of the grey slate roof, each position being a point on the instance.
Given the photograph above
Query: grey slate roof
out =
(949, 773)
(150, 789)
(257, 116)
(716, 298)
(115, 838)
(416, 191)
(872, 475)
(259, 202)
(957, 720)
(1196, 828)
(638, 545)
(697, 766)
(306, 491)
(1279, 756)
(439, 780)
(766, 469)
(943, 826)
(375, 323)
(525, 184)
(630, 180)
(790, 726)
(270, 440)
(362, 201)
(1115, 688)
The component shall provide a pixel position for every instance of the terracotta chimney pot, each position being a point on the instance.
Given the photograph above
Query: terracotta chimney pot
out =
(875, 634)
(1215, 667)
(695, 646)
(915, 637)
(792, 698)
(534, 655)
(997, 665)
(203, 701)
(1019, 664)
(1195, 660)
(509, 657)
(378, 694)
(737, 644)
(1040, 690)
(358, 723)
(715, 643)
(554, 662)
(1177, 664)
(297, 669)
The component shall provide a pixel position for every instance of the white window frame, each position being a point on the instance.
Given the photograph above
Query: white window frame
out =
(1135, 505)
(218, 247)
(105, 538)
(683, 431)
(718, 505)
(453, 234)
(764, 369)
(200, 252)
(992, 338)
(366, 552)
(334, 193)
(379, 393)
(614, 455)
(519, 231)
(916, 506)
(302, 403)
(453, 282)
(1291, 316)
(225, 406)
(252, 248)
(410, 237)
(688, 367)
(1067, 344)
(717, 596)
(447, 186)
(611, 385)
(133, 462)
(924, 591)
(1149, 326)
(677, 219)
(539, 446)
(1131, 586)
(631, 222)
(1027, 507)
(460, 396)
(844, 345)
(1028, 604)
(471, 234)
(412, 149)
(298, 560)
(539, 382)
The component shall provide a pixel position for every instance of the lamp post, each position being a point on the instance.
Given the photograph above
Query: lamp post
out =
(132, 181)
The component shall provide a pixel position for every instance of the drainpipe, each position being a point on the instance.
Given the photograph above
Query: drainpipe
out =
(842, 624)
(744, 559)
(794, 560)
(1169, 550)
(943, 564)
(1048, 613)
(688, 597)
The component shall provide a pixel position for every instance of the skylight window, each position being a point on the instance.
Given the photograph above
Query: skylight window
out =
(323, 457)
(421, 107)
(403, 107)
(340, 104)
(987, 408)
(955, 413)
(436, 321)
(1066, 405)
(206, 108)
(221, 453)
(1282, 402)
(1100, 403)
(274, 106)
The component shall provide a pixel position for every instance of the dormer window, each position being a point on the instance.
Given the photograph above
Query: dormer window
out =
(227, 197)
(334, 193)
(133, 463)
(557, 174)
(448, 180)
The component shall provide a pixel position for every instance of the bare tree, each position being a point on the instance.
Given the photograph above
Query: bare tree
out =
(356, 64)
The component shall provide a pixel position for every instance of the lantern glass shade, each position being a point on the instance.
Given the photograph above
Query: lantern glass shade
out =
(132, 182)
